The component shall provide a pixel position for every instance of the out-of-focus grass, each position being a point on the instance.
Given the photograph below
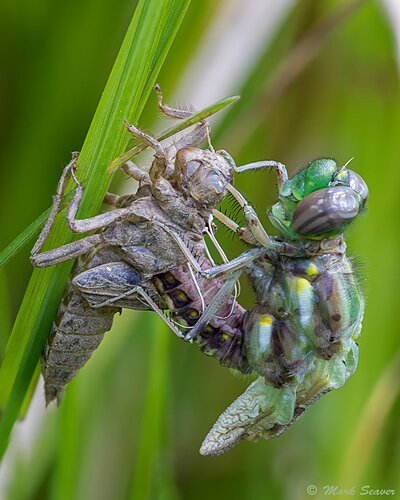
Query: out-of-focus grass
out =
(345, 103)
(13, 248)
(150, 478)
(5, 311)
(31, 472)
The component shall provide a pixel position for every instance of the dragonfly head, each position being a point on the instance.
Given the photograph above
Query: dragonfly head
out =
(319, 201)
(204, 174)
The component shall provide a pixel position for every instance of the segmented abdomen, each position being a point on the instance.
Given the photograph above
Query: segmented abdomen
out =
(309, 313)
(76, 332)
(222, 338)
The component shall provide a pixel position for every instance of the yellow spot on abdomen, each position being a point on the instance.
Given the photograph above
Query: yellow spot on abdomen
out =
(312, 270)
(303, 286)
(266, 319)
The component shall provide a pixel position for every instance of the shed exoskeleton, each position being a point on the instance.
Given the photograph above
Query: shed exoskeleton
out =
(134, 259)
(147, 253)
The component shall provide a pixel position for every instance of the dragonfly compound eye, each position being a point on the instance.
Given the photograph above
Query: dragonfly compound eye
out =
(325, 210)
(357, 183)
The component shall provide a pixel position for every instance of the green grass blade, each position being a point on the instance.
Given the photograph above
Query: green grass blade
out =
(142, 53)
(188, 122)
(152, 427)
(65, 478)
(22, 239)
(360, 449)
(5, 312)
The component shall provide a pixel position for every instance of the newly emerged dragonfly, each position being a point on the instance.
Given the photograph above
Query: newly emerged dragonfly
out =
(300, 337)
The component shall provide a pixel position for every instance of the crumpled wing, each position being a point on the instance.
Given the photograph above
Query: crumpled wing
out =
(265, 411)
(258, 409)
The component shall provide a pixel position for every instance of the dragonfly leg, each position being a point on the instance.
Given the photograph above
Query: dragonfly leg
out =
(164, 155)
(182, 245)
(169, 110)
(210, 233)
(193, 138)
(238, 263)
(65, 252)
(254, 230)
(146, 138)
(163, 165)
(92, 223)
(141, 176)
(135, 172)
(56, 206)
(279, 169)
(212, 308)
(164, 159)
(140, 291)
(161, 313)
(252, 220)
(107, 284)
(244, 233)
(111, 199)
(70, 250)
(77, 248)
(216, 271)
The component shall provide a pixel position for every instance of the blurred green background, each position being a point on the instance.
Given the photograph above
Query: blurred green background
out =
(316, 79)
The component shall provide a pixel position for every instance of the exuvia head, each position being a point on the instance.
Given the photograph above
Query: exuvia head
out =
(204, 174)
(319, 201)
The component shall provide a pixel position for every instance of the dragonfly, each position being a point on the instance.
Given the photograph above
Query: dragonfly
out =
(300, 337)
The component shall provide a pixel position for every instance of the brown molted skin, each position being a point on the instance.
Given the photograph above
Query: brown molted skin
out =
(151, 252)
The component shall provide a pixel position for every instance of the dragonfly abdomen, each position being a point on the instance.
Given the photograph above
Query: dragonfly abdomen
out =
(77, 331)
(309, 308)
(222, 337)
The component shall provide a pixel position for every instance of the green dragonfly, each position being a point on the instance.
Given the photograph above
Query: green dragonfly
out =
(300, 337)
